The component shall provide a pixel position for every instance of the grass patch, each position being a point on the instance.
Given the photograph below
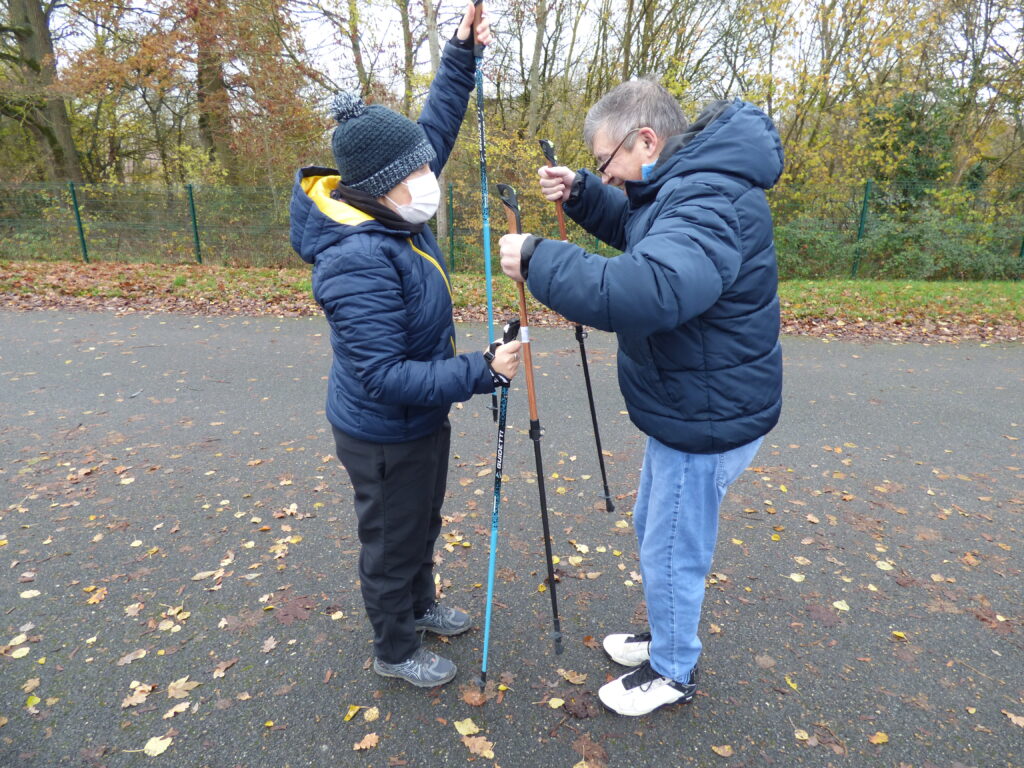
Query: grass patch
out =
(883, 300)
(906, 302)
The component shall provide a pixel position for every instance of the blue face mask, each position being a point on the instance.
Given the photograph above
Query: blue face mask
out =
(646, 170)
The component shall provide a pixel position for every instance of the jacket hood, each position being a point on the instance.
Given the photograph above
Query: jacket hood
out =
(729, 137)
(318, 221)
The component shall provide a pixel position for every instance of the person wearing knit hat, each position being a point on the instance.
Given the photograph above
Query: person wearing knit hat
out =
(379, 276)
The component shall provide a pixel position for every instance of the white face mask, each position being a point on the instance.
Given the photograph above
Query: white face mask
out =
(425, 194)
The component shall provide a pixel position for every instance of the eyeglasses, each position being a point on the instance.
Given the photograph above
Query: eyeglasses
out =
(604, 166)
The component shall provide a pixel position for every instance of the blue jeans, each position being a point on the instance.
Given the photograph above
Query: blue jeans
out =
(676, 520)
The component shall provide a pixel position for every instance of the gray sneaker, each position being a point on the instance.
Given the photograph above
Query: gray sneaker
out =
(442, 620)
(424, 669)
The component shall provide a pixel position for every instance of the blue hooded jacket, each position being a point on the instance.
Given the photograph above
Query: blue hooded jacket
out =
(693, 297)
(387, 295)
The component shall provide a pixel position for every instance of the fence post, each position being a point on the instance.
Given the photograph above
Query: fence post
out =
(195, 225)
(860, 227)
(78, 220)
(451, 229)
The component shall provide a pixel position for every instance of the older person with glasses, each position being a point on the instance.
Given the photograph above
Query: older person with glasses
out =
(693, 300)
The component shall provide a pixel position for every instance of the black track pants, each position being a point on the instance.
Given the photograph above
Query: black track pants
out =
(399, 490)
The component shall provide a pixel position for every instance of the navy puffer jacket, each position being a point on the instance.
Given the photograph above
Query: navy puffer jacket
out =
(693, 297)
(387, 296)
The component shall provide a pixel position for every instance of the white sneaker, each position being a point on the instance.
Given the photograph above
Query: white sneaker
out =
(629, 650)
(643, 690)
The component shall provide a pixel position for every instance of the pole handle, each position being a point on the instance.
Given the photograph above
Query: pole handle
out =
(552, 160)
(511, 201)
(478, 16)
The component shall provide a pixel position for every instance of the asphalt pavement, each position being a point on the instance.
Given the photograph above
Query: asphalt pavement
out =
(171, 513)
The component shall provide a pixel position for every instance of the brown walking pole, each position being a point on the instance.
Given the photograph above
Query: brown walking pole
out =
(549, 155)
(509, 198)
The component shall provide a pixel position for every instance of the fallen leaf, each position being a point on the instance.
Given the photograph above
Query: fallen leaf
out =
(466, 727)
(30, 685)
(1015, 719)
(128, 658)
(368, 741)
(224, 666)
(157, 745)
(269, 644)
(576, 678)
(840, 605)
(590, 642)
(28, 594)
(764, 662)
(371, 714)
(879, 737)
(883, 565)
(791, 684)
(801, 735)
(180, 688)
(479, 745)
(555, 703)
(138, 696)
(352, 710)
(177, 709)
(797, 577)
(725, 750)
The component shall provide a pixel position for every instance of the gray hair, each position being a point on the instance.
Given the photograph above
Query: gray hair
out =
(634, 104)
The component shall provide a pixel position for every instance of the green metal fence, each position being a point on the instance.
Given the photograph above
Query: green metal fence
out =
(870, 230)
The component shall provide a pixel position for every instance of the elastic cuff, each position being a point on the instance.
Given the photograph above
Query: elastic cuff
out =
(466, 45)
(577, 189)
(526, 253)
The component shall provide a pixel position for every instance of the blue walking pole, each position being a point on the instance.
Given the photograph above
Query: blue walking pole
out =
(478, 51)
(511, 331)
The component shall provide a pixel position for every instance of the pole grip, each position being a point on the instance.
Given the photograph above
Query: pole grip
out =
(552, 160)
(478, 15)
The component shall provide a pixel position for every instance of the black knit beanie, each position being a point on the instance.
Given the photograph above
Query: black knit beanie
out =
(374, 147)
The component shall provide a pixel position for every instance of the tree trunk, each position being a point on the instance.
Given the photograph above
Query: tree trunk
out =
(407, 46)
(430, 12)
(212, 95)
(352, 32)
(536, 92)
(44, 112)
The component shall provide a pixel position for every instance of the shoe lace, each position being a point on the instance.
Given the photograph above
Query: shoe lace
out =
(640, 637)
(643, 677)
(420, 658)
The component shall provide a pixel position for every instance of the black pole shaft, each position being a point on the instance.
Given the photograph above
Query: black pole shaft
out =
(580, 336)
(535, 435)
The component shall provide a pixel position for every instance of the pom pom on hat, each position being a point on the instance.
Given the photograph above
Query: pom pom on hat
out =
(346, 106)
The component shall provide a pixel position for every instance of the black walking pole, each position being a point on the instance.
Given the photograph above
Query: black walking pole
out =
(478, 52)
(511, 331)
(581, 334)
(508, 197)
